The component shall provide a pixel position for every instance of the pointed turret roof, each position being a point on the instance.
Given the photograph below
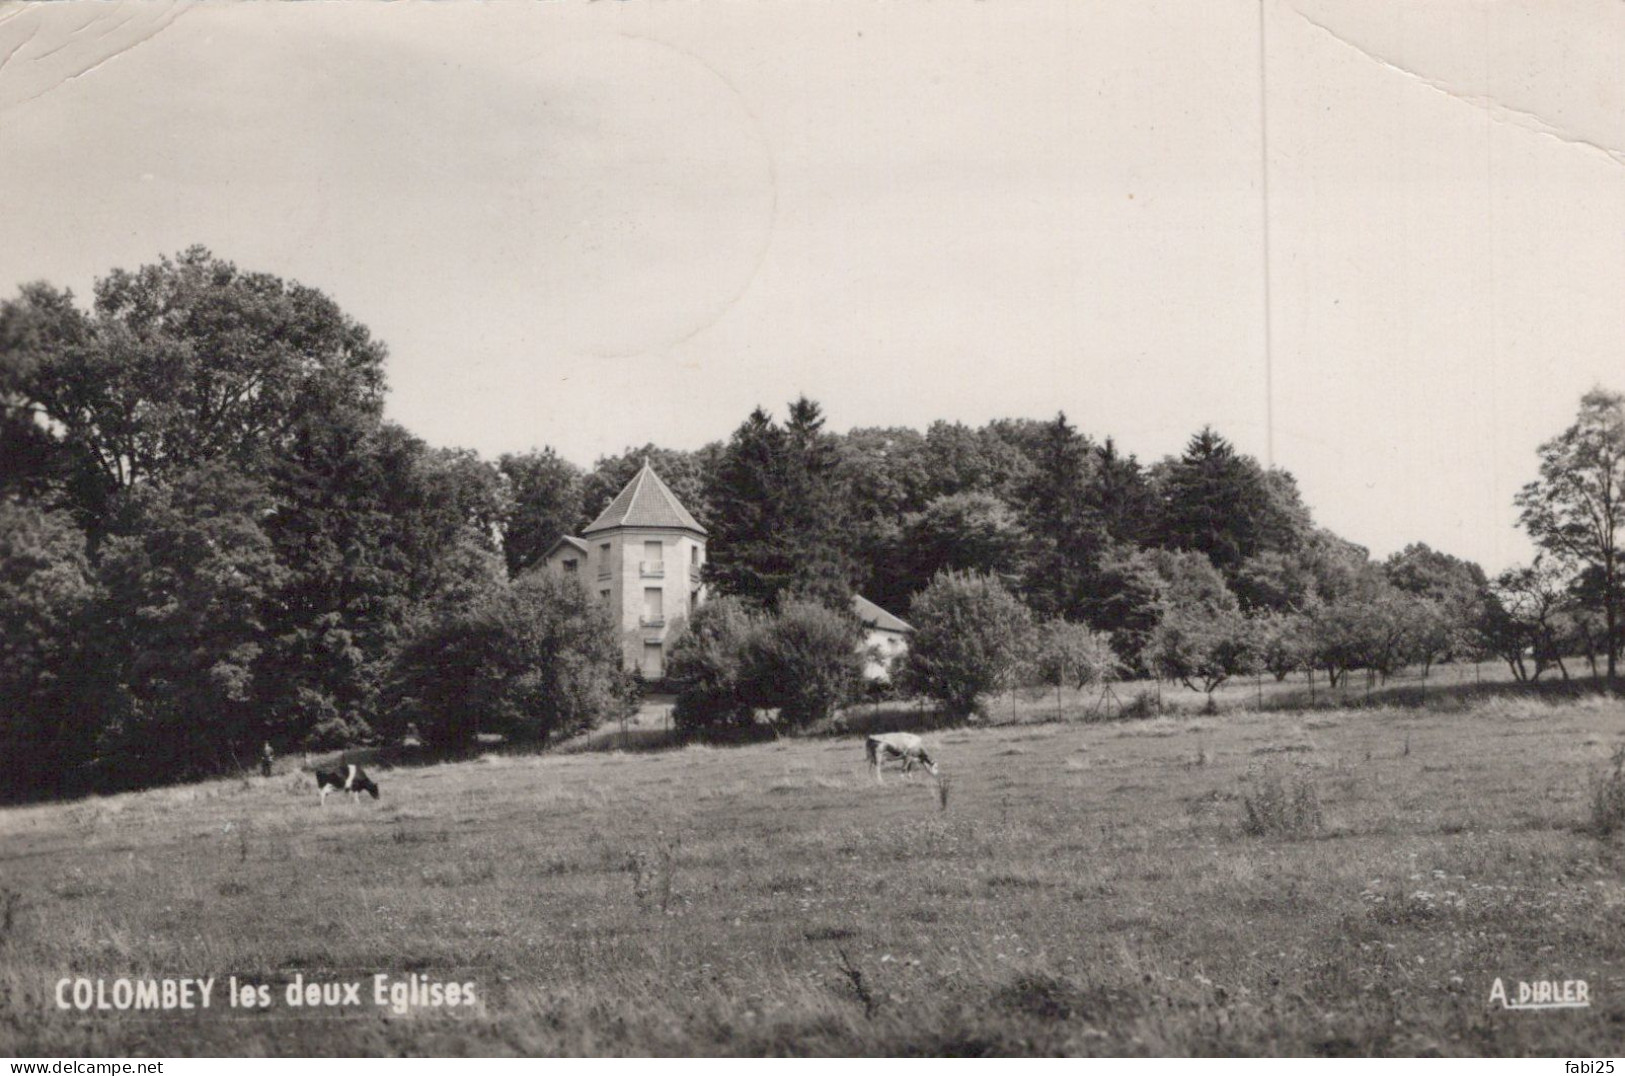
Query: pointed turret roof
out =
(645, 502)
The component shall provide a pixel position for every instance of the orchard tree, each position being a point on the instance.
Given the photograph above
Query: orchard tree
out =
(1575, 510)
(1283, 643)
(1070, 655)
(1201, 638)
(1531, 607)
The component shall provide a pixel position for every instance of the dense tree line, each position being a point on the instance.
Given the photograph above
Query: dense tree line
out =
(210, 536)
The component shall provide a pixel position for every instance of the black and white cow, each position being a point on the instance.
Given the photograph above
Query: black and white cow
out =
(893, 746)
(352, 779)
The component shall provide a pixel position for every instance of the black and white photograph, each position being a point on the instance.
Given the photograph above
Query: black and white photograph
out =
(821, 528)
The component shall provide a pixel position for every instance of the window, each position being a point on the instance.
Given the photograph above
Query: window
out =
(603, 563)
(603, 595)
(652, 666)
(654, 607)
(570, 565)
(653, 565)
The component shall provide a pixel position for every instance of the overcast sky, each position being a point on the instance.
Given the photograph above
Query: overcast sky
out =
(593, 225)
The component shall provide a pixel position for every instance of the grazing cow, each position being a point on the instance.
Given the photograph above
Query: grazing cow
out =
(352, 779)
(904, 746)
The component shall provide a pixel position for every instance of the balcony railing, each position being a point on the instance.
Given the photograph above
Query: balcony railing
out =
(651, 621)
(603, 571)
(651, 569)
(693, 573)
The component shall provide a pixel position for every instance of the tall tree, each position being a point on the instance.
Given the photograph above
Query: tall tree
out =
(1067, 533)
(885, 475)
(379, 537)
(545, 502)
(187, 574)
(967, 532)
(1576, 508)
(1218, 502)
(1122, 495)
(959, 459)
(47, 723)
(182, 363)
(782, 523)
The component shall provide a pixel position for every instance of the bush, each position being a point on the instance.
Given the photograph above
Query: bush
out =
(707, 668)
(538, 658)
(1273, 809)
(805, 661)
(970, 634)
(1608, 798)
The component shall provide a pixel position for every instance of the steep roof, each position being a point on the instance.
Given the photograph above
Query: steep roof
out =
(873, 616)
(565, 539)
(645, 502)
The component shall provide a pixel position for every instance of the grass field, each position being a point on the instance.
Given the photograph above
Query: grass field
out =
(1074, 888)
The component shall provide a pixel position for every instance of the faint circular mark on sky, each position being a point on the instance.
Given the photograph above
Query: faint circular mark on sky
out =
(655, 197)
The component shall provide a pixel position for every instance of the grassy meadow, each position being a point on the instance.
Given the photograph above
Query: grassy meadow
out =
(1337, 881)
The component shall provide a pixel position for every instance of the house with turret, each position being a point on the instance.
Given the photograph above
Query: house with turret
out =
(642, 556)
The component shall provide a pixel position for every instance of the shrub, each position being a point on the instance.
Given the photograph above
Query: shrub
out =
(970, 634)
(1608, 797)
(805, 660)
(537, 658)
(1275, 809)
(707, 668)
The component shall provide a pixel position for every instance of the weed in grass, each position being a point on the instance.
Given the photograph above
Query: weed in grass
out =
(10, 901)
(1608, 797)
(456, 875)
(854, 978)
(943, 786)
(1273, 808)
(654, 875)
(1042, 996)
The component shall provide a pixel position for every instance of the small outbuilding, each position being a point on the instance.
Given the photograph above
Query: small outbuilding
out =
(885, 639)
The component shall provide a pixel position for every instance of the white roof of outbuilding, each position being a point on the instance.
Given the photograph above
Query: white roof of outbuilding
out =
(873, 616)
